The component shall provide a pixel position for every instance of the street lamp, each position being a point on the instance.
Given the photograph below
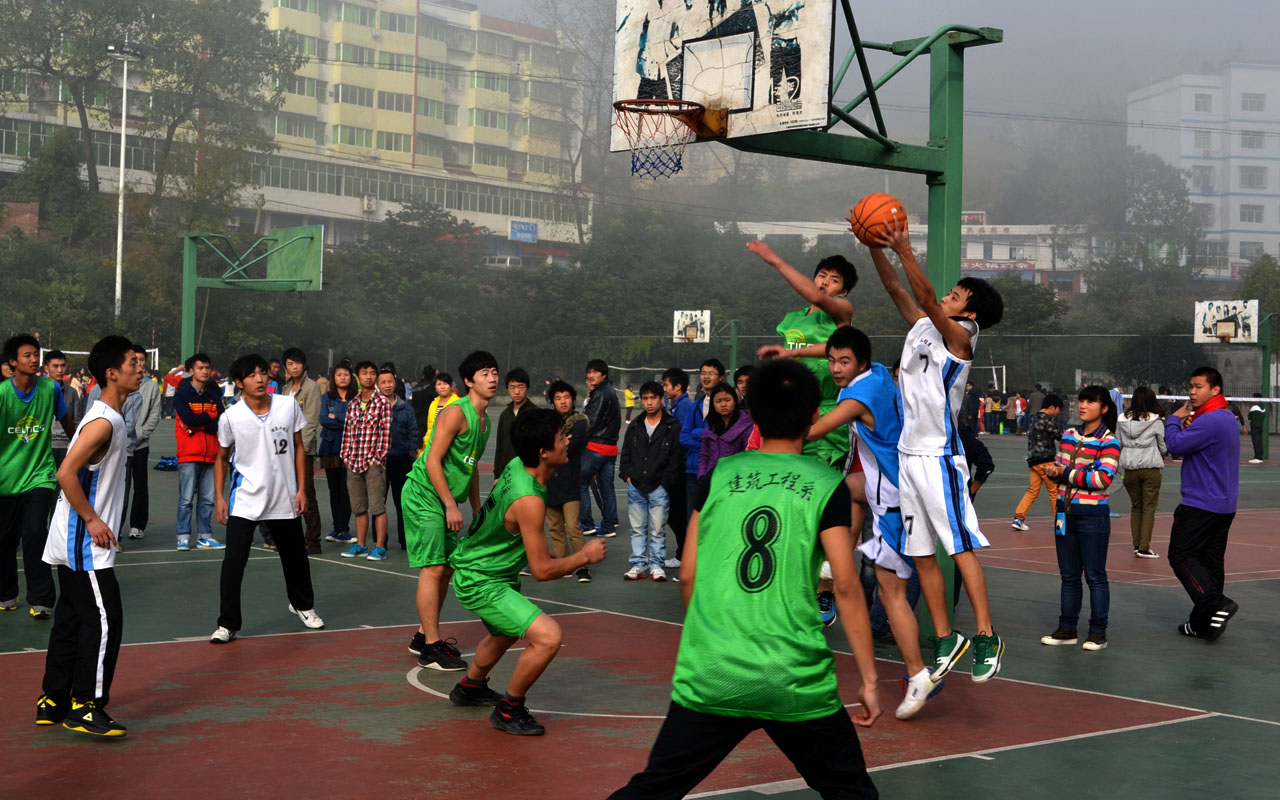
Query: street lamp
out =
(124, 54)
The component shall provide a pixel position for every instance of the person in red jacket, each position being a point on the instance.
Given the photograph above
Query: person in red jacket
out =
(197, 402)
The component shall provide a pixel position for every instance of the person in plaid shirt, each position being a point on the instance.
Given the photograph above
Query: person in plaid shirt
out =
(366, 437)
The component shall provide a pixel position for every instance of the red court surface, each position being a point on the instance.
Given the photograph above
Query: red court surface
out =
(338, 714)
(1253, 552)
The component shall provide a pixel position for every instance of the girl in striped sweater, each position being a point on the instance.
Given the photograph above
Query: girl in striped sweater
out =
(1088, 458)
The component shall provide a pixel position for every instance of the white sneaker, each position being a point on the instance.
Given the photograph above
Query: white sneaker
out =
(309, 617)
(672, 563)
(633, 574)
(658, 574)
(1255, 461)
(222, 635)
(134, 533)
(918, 688)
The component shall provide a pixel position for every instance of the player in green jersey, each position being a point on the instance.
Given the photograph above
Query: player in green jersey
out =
(752, 654)
(504, 534)
(442, 477)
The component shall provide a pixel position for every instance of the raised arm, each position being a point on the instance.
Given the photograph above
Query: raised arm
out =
(837, 307)
(955, 334)
(846, 411)
(896, 291)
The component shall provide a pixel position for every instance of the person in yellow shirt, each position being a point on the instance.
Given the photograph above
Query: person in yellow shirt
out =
(445, 395)
(629, 401)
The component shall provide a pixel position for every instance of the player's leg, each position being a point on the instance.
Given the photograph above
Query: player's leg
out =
(975, 586)
(96, 598)
(827, 754)
(60, 660)
(544, 637)
(429, 600)
(10, 539)
(239, 540)
(291, 546)
(34, 509)
(689, 746)
(902, 620)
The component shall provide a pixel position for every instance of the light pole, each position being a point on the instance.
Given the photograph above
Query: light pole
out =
(124, 54)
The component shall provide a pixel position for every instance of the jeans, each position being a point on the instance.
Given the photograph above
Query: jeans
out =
(339, 502)
(648, 514)
(1083, 548)
(594, 464)
(195, 489)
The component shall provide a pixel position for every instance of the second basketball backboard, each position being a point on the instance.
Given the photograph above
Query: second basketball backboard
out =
(766, 62)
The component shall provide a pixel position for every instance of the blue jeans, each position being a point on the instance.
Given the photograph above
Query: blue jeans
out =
(648, 516)
(593, 465)
(1083, 548)
(195, 488)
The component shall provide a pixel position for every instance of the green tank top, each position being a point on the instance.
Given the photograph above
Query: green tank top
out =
(488, 548)
(752, 644)
(26, 449)
(459, 462)
(801, 329)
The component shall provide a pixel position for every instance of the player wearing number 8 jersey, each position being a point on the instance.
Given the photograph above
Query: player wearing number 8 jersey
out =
(752, 654)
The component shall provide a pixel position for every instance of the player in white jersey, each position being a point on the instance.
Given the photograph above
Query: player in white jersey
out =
(933, 473)
(85, 640)
(269, 464)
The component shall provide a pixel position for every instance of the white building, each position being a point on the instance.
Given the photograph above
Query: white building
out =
(1224, 128)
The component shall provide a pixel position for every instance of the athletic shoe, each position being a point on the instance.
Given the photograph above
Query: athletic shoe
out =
(946, 652)
(48, 712)
(437, 655)
(602, 533)
(525, 570)
(313, 549)
(41, 612)
(342, 537)
(1148, 553)
(418, 642)
(377, 554)
(463, 695)
(515, 720)
(8, 605)
(355, 551)
(672, 563)
(658, 574)
(1186, 630)
(988, 651)
(1096, 641)
(827, 608)
(450, 646)
(918, 690)
(1255, 461)
(88, 717)
(270, 544)
(633, 574)
(583, 575)
(184, 542)
(209, 543)
(1218, 622)
(1019, 524)
(134, 533)
(587, 530)
(1059, 637)
(222, 635)
(309, 617)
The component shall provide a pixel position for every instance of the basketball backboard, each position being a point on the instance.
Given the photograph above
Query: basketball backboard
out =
(690, 327)
(1227, 321)
(297, 254)
(768, 68)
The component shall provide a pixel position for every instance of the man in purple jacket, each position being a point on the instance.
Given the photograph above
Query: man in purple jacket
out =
(1205, 435)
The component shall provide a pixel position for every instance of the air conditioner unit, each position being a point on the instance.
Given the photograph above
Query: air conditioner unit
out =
(375, 33)
(369, 203)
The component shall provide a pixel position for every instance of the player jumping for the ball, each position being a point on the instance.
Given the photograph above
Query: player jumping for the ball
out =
(933, 472)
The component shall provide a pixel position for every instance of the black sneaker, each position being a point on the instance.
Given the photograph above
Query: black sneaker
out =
(1186, 630)
(49, 712)
(417, 643)
(1096, 641)
(515, 720)
(463, 695)
(1218, 622)
(1059, 637)
(270, 544)
(436, 655)
(583, 575)
(88, 718)
(450, 646)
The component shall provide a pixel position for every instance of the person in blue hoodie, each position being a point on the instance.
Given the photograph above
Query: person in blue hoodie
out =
(333, 419)
(1205, 435)
(404, 443)
(675, 385)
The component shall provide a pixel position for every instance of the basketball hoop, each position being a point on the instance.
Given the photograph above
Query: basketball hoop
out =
(657, 132)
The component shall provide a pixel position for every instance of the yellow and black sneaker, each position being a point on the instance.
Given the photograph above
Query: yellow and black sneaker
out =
(49, 712)
(88, 717)
(41, 612)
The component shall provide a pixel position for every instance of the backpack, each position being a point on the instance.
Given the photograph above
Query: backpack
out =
(167, 464)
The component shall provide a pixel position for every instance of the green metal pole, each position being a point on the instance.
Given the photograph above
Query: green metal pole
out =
(188, 298)
(1264, 331)
(733, 346)
(946, 131)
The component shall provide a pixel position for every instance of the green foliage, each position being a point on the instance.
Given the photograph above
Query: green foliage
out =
(51, 177)
(1262, 282)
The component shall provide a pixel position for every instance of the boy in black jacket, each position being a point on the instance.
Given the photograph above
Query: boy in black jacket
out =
(652, 462)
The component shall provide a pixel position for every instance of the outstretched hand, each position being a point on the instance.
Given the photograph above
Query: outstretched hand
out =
(892, 235)
(761, 249)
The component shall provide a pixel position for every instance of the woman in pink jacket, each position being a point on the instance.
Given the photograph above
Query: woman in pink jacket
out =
(727, 431)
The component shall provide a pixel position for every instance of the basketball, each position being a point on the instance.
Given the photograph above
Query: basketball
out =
(876, 209)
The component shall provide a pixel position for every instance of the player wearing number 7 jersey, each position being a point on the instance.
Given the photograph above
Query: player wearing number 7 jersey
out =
(752, 654)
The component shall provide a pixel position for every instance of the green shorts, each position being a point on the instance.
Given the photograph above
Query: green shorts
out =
(427, 539)
(498, 604)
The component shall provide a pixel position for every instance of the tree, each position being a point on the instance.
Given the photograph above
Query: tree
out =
(1262, 281)
(51, 177)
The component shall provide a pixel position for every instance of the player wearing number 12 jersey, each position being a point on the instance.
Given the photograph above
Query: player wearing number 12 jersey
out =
(752, 654)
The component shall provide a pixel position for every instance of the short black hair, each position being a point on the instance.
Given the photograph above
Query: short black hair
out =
(196, 359)
(714, 420)
(984, 301)
(363, 365)
(54, 354)
(557, 386)
(598, 365)
(677, 376)
(716, 364)
(295, 354)
(743, 371)
(534, 431)
(847, 337)
(474, 362)
(21, 340)
(244, 366)
(386, 370)
(840, 264)
(391, 365)
(517, 375)
(1209, 373)
(782, 396)
(446, 377)
(651, 387)
(139, 348)
(273, 361)
(1050, 401)
(109, 353)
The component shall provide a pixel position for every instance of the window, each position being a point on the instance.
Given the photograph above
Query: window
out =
(395, 142)
(430, 146)
(543, 165)
(1253, 177)
(1202, 179)
(304, 87)
(350, 12)
(1252, 101)
(430, 108)
(490, 81)
(355, 95)
(398, 62)
(353, 54)
(1251, 250)
(309, 6)
(394, 101)
(455, 79)
(1210, 254)
(483, 118)
(431, 69)
(397, 23)
(988, 250)
(450, 114)
(1251, 140)
(431, 28)
(495, 44)
(1203, 140)
(543, 56)
(461, 39)
(1017, 252)
(491, 156)
(302, 45)
(356, 137)
(457, 153)
(1204, 102)
(1250, 213)
(542, 91)
(296, 125)
(539, 127)
(1204, 213)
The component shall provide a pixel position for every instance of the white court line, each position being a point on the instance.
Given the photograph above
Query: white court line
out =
(412, 677)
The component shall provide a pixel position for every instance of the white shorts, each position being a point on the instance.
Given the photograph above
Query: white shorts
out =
(885, 548)
(934, 497)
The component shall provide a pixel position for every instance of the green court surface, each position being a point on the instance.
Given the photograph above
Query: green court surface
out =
(345, 712)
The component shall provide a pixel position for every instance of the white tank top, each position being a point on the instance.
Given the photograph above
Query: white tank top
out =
(69, 543)
(932, 382)
(264, 481)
